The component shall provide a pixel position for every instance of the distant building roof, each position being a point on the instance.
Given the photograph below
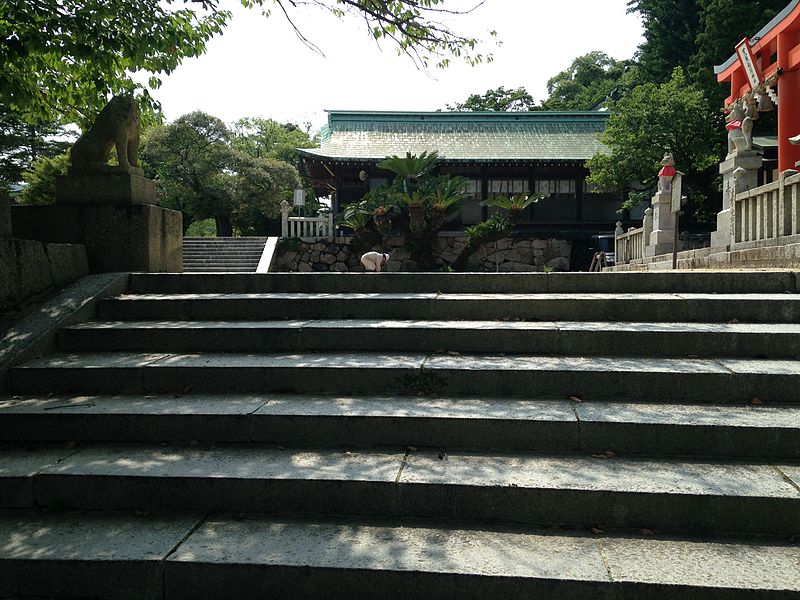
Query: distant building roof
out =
(461, 136)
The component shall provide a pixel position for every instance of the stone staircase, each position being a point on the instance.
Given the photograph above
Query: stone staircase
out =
(621, 435)
(222, 254)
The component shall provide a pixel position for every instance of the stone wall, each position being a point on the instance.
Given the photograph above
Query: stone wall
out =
(30, 268)
(342, 254)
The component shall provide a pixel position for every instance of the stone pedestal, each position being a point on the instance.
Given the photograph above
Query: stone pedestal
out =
(750, 162)
(105, 187)
(662, 237)
(138, 237)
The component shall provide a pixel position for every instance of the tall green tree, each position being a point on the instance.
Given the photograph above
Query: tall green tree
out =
(265, 138)
(671, 28)
(23, 143)
(497, 100)
(201, 174)
(649, 121)
(589, 80)
(65, 57)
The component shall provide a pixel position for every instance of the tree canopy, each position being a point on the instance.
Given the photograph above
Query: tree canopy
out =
(589, 80)
(651, 120)
(23, 143)
(265, 138)
(200, 173)
(64, 58)
(499, 99)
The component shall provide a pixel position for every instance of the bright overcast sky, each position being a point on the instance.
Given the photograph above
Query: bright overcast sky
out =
(260, 68)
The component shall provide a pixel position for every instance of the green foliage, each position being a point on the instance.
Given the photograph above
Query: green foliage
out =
(497, 100)
(670, 33)
(265, 138)
(589, 80)
(495, 227)
(446, 192)
(66, 57)
(41, 179)
(410, 168)
(204, 228)
(201, 174)
(649, 121)
(22, 143)
(514, 204)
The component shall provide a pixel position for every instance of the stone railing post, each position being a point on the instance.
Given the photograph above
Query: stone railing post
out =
(330, 226)
(739, 173)
(285, 210)
(647, 225)
(619, 231)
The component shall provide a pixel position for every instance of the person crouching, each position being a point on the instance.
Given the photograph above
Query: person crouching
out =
(374, 261)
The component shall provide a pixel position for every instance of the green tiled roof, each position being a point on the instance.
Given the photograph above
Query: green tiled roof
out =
(461, 136)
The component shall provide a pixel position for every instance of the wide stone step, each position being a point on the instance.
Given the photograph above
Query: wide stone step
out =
(189, 556)
(766, 308)
(361, 373)
(221, 269)
(542, 337)
(678, 495)
(471, 283)
(547, 425)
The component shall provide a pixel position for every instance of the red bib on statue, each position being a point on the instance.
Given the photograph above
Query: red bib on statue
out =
(667, 171)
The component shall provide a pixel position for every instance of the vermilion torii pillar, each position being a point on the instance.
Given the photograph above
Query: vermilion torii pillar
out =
(776, 53)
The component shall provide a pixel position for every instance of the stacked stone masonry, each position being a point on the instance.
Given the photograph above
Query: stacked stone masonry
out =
(506, 255)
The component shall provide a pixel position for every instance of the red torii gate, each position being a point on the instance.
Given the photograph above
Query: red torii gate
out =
(775, 51)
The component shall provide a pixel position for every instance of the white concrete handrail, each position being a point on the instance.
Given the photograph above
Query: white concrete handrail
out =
(767, 213)
(305, 228)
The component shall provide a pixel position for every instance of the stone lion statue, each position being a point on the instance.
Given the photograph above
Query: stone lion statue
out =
(117, 125)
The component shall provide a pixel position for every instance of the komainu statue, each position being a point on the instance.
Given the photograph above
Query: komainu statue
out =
(740, 127)
(117, 125)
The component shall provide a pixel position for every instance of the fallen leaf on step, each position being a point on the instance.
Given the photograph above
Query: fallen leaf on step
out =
(411, 449)
(150, 397)
(756, 401)
(194, 443)
(599, 456)
(442, 455)
(648, 532)
(453, 353)
(597, 530)
(182, 393)
(609, 454)
(348, 453)
(576, 398)
(733, 321)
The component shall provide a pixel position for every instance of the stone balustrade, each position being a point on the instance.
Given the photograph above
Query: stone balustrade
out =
(632, 245)
(767, 215)
(305, 228)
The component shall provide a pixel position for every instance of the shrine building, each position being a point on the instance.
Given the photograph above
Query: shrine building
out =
(500, 153)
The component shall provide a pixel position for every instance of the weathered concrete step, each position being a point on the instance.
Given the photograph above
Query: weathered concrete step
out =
(766, 308)
(365, 373)
(190, 557)
(576, 491)
(221, 269)
(541, 337)
(453, 283)
(547, 425)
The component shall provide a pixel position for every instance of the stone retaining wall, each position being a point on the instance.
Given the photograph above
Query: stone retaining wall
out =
(30, 267)
(342, 254)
